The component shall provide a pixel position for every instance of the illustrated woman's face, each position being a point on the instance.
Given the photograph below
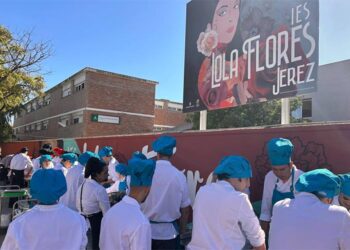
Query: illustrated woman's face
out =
(225, 20)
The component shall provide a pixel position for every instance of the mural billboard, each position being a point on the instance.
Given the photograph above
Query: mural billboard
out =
(244, 51)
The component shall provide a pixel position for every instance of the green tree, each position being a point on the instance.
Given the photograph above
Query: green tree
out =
(20, 71)
(255, 114)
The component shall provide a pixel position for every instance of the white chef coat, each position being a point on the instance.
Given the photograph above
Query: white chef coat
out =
(20, 162)
(74, 178)
(169, 193)
(95, 198)
(223, 218)
(124, 226)
(307, 223)
(336, 201)
(115, 186)
(47, 227)
(112, 174)
(56, 160)
(269, 186)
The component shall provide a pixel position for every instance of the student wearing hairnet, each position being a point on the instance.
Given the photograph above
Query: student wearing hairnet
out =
(168, 204)
(48, 225)
(280, 182)
(124, 226)
(310, 221)
(223, 217)
(343, 199)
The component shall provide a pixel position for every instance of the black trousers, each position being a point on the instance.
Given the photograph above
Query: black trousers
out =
(95, 222)
(17, 178)
(173, 244)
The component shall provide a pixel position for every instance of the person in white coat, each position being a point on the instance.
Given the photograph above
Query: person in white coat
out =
(45, 150)
(92, 199)
(280, 182)
(123, 180)
(19, 165)
(48, 225)
(106, 154)
(223, 217)
(74, 178)
(310, 221)
(168, 204)
(124, 226)
(343, 199)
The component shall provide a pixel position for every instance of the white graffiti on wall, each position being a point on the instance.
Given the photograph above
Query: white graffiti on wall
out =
(193, 177)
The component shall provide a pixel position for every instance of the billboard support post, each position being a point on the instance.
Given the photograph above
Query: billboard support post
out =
(285, 111)
(203, 120)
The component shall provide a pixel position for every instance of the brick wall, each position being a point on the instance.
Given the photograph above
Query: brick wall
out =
(128, 125)
(118, 93)
(165, 116)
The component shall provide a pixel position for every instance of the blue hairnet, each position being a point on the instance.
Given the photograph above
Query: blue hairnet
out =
(164, 145)
(69, 157)
(139, 155)
(345, 184)
(141, 172)
(320, 181)
(280, 151)
(48, 185)
(234, 167)
(45, 158)
(105, 152)
(84, 157)
(122, 169)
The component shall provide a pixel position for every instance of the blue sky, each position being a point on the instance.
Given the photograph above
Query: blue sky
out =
(142, 38)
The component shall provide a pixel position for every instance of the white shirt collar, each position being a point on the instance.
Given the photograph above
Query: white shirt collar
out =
(129, 200)
(226, 184)
(164, 162)
(48, 207)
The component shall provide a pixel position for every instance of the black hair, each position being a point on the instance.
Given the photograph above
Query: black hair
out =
(223, 177)
(24, 150)
(164, 156)
(93, 167)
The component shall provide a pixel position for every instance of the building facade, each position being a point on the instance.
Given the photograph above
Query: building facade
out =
(168, 115)
(89, 103)
(330, 102)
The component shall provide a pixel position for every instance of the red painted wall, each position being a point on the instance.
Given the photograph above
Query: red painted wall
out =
(316, 146)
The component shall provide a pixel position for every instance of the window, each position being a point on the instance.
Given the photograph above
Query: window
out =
(66, 90)
(158, 106)
(64, 121)
(45, 125)
(32, 127)
(47, 100)
(157, 129)
(77, 117)
(174, 107)
(307, 108)
(78, 87)
(38, 126)
(27, 128)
